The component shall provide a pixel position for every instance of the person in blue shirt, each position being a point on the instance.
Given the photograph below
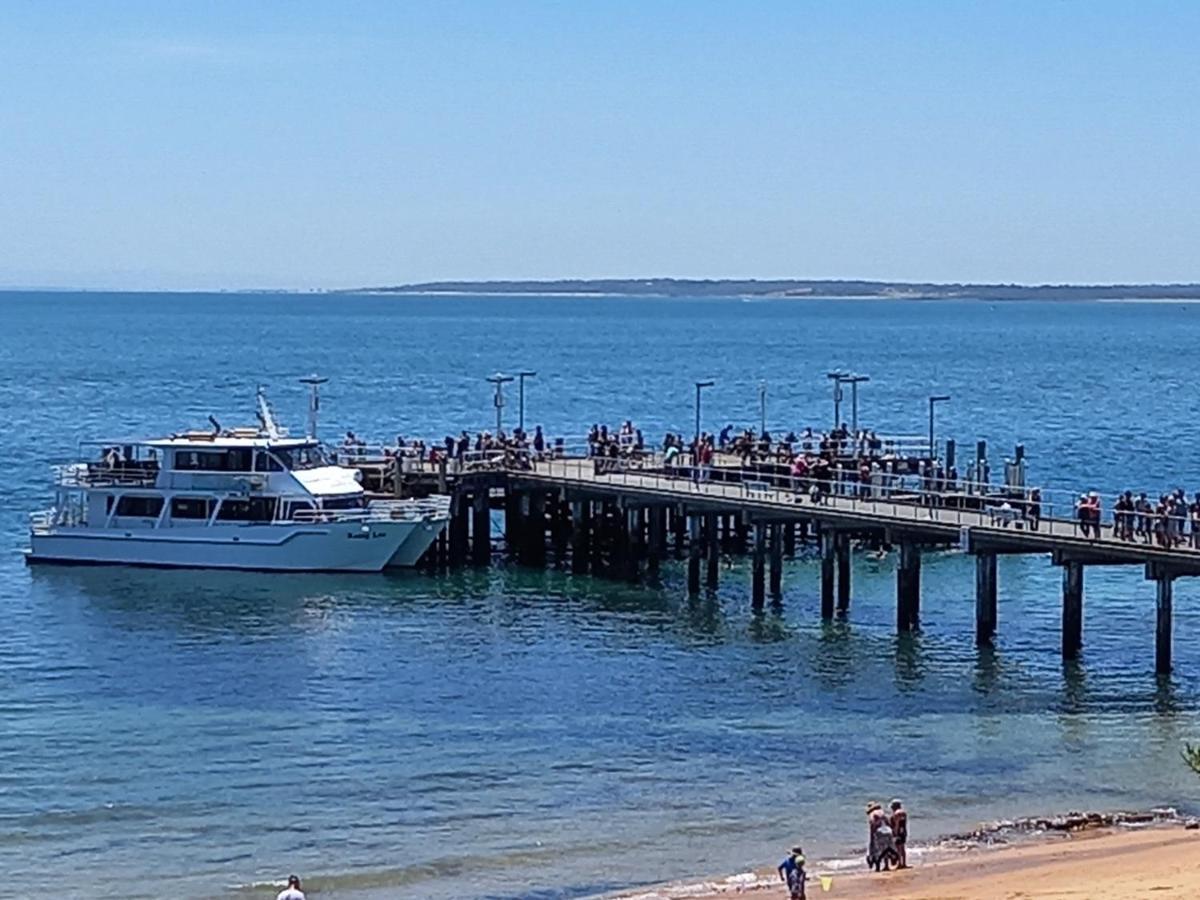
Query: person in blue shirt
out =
(791, 872)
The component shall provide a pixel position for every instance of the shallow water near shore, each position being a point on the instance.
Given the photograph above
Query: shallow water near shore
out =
(514, 733)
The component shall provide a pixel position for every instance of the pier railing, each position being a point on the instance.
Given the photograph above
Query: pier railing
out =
(969, 505)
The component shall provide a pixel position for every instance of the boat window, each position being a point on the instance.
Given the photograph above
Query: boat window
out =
(190, 507)
(309, 456)
(235, 460)
(139, 507)
(355, 502)
(250, 509)
(265, 462)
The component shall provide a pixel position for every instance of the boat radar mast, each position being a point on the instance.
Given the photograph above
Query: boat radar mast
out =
(314, 383)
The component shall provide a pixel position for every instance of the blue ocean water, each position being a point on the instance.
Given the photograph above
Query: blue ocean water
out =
(515, 733)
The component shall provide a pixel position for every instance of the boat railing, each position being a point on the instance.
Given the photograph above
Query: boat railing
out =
(425, 510)
(86, 475)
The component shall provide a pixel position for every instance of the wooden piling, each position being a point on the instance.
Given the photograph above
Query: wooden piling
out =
(828, 563)
(908, 587)
(712, 550)
(1072, 609)
(656, 544)
(758, 587)
(459, 528)
(679, 519)
(842, 547)
(985, 598)
(776, 567)
(1163, 625)
(581, 536)
(694, 548)
(789, 539)
(481, 528)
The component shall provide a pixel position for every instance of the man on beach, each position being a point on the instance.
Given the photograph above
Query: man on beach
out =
(292, 891)
(791, 873)
(900, 832)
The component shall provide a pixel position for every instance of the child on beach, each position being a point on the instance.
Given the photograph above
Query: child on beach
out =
(791, 873)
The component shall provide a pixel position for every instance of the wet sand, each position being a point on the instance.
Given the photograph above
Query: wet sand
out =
(1109, 864)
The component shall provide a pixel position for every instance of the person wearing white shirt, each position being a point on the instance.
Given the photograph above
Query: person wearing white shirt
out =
(292, 891)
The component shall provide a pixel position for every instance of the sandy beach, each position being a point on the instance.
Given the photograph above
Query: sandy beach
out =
(1111, 864)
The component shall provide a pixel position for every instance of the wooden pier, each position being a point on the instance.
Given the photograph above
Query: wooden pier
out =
(621, 521)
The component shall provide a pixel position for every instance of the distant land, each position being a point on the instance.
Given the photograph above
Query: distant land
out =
(800, 289)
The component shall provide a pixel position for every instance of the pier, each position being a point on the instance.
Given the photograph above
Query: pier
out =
(622, 518)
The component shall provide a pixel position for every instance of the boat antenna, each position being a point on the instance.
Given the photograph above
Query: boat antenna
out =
(314, 383)
(266, 415)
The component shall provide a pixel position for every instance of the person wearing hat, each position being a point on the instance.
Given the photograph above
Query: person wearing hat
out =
(292, 891)
(791, 873)
(900, 832)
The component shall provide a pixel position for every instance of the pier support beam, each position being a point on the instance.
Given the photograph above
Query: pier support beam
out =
(534, 530)
(908, 588)
(656, 538)
(789, 539)
(842, 542)
(712, 550)
(776, 571)
(985, 598)
(827, 573)
(758, 586)
(460, 529)
(1072, 609)
(481, 529)
(694, 548)
(1163, 628)
(581, 535)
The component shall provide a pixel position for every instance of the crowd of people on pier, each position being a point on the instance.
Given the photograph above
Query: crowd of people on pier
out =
(814, 464)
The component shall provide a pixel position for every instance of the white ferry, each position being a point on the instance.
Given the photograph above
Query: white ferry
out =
(245, 498)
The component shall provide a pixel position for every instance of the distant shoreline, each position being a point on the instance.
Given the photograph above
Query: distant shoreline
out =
(787, 289)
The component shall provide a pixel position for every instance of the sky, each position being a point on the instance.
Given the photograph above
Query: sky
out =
(322, 145)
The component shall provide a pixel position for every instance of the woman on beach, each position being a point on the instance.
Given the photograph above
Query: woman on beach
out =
(881, 847)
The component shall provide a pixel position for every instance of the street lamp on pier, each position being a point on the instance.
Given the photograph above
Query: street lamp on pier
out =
(762, 407)
(521, 376)
(933, 402)
(499, 380)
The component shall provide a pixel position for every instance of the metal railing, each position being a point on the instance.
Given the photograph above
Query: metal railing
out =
(993, 508)
(86, 475)
(427, 510)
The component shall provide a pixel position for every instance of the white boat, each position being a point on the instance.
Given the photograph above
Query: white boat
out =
(246, 498)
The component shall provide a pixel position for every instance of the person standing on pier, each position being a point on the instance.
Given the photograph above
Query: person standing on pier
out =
(1195, 511)
(1144, 514)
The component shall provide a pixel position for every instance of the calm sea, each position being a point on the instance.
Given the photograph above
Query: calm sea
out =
(508, 733)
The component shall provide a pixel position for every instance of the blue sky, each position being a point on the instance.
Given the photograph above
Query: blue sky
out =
(162, 145)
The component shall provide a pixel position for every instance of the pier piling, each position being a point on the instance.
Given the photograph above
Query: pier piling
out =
(481, 528)
(712, 550)
(827, 573)
(694, 548)
(1163, 626)
(985, 598)
(758, 567)
(842, 545)
(908, 587)
(1072, 609)
(776, 570)
(581, 527)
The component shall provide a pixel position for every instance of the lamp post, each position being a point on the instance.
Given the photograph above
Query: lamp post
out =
(762, 407)
(314, 383)
(933, 401)
(700, 385)
(521, 376)
(499, 381)
(836, 378)
(854, 381)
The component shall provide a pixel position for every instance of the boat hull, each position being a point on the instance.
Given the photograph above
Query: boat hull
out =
(325, 547)
(418, 541)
